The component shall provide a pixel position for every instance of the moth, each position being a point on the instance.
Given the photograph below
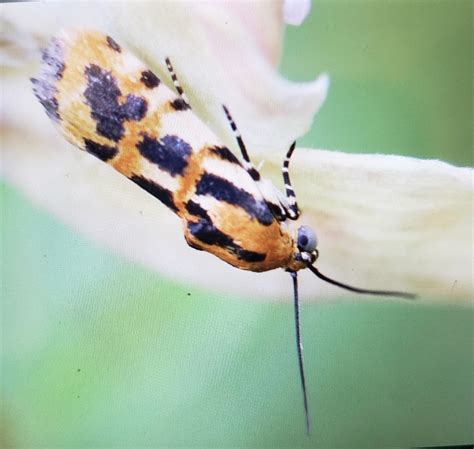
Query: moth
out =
(109, 104)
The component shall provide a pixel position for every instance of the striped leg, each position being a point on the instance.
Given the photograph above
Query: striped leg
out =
(184, 98)
(290, 193)
(252, 171)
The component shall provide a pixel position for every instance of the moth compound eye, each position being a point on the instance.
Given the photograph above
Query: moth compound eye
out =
(306, 239)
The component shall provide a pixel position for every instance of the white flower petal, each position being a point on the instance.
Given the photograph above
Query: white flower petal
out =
(16, 46)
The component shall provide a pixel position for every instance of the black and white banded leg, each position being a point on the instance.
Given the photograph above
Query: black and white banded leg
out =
(252, 171)
(178, 87)
(294, 211)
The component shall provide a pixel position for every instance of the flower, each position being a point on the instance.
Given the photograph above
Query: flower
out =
(382, 221)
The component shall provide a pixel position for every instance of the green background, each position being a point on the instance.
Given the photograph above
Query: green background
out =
(98, 352)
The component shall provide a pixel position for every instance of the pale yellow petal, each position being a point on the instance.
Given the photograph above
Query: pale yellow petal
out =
(387, 222)
(221, 59)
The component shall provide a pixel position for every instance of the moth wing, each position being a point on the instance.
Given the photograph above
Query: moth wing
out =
(276, 200)
(108, 103)
(226, 209)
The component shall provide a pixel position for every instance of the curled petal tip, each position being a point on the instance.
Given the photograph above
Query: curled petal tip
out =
(295, 11)
(322, 82)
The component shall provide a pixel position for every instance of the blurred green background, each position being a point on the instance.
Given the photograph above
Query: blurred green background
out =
(98, 352)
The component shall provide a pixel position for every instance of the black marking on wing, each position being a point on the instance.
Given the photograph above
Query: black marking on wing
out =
(134, 108)
(52, 70)
(277, 211)
(113, 45)
(164, 195)
(179, 105)
(103, 152)
(225, 154)
(250, 256)
(170, 153)
(224, 190)
(102, 95)
(255, 175)
(207, 233)
(196, 210)
(149, 79)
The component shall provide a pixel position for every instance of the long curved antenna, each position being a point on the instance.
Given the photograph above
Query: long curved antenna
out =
(299, 348)
(360, 290)
(177, 85)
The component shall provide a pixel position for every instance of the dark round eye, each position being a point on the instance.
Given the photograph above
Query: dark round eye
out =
(306, 239)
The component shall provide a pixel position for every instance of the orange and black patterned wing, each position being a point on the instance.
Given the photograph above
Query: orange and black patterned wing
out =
(106, 102)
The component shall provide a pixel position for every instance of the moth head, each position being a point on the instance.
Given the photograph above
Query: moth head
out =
(305, 248)
(306, 253)
(306, 240)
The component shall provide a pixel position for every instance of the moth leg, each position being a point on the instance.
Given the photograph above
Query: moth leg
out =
(294, 211)
(252, 171)
(176, 83)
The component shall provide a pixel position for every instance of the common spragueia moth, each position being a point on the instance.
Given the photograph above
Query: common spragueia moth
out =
(107, 103)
